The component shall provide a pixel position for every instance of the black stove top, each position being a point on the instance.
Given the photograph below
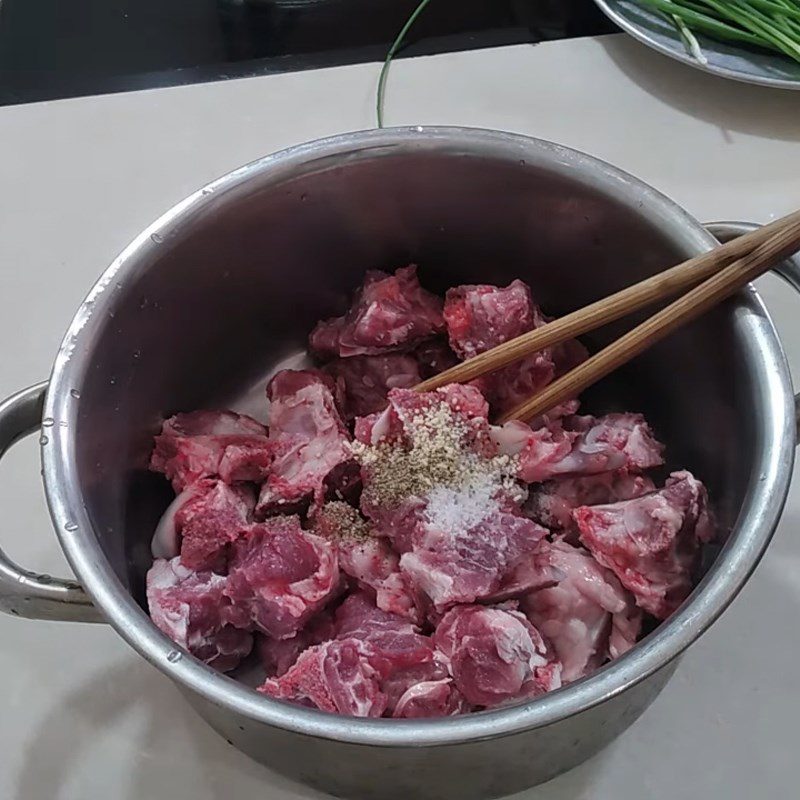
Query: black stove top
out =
(57, 48)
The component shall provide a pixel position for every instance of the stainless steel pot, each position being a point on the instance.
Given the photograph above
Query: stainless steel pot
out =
(211, 297)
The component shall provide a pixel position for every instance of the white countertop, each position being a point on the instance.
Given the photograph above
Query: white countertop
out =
(84, 717)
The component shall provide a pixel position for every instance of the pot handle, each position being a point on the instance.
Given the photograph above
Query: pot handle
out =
(24, 593)
(788, 269)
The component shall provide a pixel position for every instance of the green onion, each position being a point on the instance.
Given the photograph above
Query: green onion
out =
(769, 24)
(390, 55)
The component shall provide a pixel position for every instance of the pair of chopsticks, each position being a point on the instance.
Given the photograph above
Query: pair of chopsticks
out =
(714, 275)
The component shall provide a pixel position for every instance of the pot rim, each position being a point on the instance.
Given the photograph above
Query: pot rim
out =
(757, 520)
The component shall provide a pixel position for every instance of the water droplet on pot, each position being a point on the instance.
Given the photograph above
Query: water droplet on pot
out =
(43, 440)
(112, 381)
(137, 353)
(419, 129)
(303, 197)
(63, 423)
(75, 393)
(157, 238)
(48, 422)
(173, 656)
(207, 191)
(70, 526)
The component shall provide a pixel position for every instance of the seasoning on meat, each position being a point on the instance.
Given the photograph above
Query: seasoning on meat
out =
(389, 312)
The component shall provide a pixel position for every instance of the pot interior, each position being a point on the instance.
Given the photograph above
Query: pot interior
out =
(226, 291)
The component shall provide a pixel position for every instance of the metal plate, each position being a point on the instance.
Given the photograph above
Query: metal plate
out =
(728, 61)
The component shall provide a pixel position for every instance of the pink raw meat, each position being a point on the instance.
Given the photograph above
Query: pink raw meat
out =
(367, 380)
(389, 312)
(551, 504)
(484, 316)
(202, 520)
(431, 699)
(496, 655)
(402, 656)
(279, 576)
(367, 558)
(488, 557)
(308, 437)
(373, 663)
(278, 655)
(651, 543)
(334, 676)
(210, 443)
(189, 607)
(578, 614)
(579, 446)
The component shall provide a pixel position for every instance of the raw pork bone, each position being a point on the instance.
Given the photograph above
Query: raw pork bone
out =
(588, 617)
(389, 312)
(367, 380)
(279, 576)
(481, 317)
(189, 607)
(552, 503)
(278, 655)
(372, 667)
(651, 543)
(366, 558)
(579, 446)
(209, 443)
(496, 655)
(202, 521)
(309, 440)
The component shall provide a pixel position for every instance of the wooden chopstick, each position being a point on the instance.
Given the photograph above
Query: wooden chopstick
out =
(633, 298)
(779, 245)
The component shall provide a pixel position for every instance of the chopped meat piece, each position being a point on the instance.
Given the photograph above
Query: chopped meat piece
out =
(278, 655)
(367, 380)
(496, 655)
(481, 317)
(434, 357)
(189, 607)
(389, 312)
(211, 443)
(552, 503)
(581, 446)
(367, 558)
(402, 656)
(472, 550)
(279, 576)
(651, 543)
(333, 676)
(308, 437)
(202, 520)
(577, 615)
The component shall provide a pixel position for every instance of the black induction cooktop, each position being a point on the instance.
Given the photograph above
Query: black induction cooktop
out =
(68, 48)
